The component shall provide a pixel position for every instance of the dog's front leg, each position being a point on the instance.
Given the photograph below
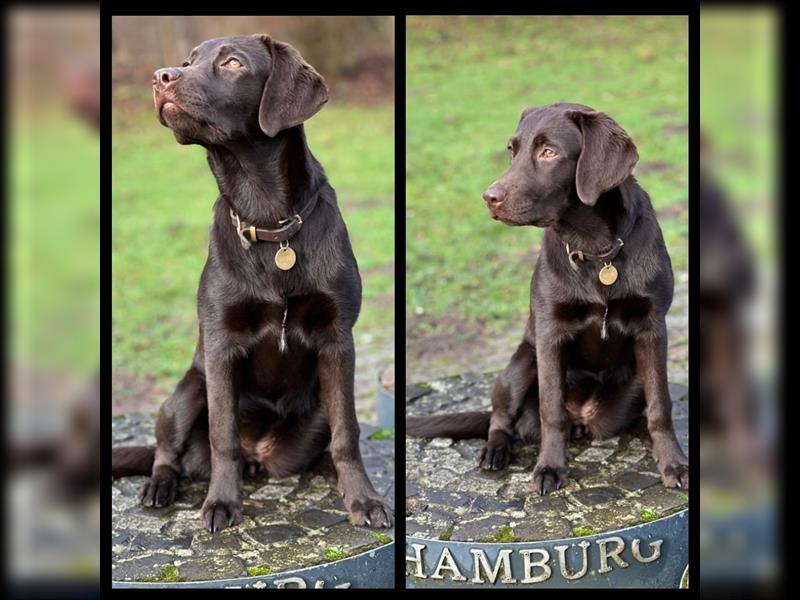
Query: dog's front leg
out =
(223, 505)
(650, 348)
(336, 370)
(508, 406)
(550, 472)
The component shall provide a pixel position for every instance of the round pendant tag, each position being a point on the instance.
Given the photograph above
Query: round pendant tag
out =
(285, 258)
(608, 274)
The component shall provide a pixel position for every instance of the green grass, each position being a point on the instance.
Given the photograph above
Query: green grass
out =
(54, 253)
(739, 117)
(161, 213)
(468, 79)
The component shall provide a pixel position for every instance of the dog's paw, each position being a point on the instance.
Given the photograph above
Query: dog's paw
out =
(676, 475)
(548, 478)
(160, 489)
(494, 456)
(219, 514)
(371, 512)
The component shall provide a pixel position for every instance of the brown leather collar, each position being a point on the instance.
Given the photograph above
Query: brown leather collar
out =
(578, 255)
(249, 233)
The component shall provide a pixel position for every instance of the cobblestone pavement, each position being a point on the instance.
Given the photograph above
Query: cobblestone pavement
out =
(612, 484)
(289, 523)
(492, 352)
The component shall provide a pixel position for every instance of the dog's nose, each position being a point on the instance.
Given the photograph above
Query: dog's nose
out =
(163, 77)
(495, 195)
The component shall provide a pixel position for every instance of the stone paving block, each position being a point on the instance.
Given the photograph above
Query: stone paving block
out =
(633, 480)
(269, 534)
(211, 567)
(488, 528)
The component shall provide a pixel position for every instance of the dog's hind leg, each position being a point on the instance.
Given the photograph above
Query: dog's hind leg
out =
(509, 399)
(176, 421)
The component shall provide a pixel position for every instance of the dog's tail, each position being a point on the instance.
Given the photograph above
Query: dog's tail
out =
(458, 426)
(132, 460)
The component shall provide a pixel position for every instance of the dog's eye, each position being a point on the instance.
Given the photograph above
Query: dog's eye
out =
(185, 63)
(547, 153)
(233, 63)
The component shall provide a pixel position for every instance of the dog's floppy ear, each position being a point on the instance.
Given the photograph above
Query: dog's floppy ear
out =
(293, 93)
(607, 158)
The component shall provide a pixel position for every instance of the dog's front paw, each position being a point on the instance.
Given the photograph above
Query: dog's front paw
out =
(371, 512)
(494, 456)
(548, 478)
(672, 464)
(676, 475)
(160, 489)
(219, 514)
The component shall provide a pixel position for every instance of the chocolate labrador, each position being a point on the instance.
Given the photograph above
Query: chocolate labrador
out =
(270, 388)
(593, 359)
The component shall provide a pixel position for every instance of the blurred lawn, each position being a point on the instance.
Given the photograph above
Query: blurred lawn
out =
(162, 199)
(468, 79)
(738, 117)
(53, 240)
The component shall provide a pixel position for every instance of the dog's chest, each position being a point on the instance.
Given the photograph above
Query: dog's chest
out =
(303, 319)
(604, 324)
(282, 342)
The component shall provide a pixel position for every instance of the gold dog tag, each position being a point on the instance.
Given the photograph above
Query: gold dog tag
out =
(285, 258)
(608, 274)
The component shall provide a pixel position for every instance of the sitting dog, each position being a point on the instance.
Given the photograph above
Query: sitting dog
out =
(270, 388)
(593, 359)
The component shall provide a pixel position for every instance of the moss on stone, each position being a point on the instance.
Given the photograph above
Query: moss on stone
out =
(447, 534)
(168, 574)
(646, 515)
(504, 535)
(583, 531)
(381, 537)
(334, 554)
(386, 433)
(259, 570)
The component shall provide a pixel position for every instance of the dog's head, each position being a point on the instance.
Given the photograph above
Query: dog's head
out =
(237, 87)
(561, 154)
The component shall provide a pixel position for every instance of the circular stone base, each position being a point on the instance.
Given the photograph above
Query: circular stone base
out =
(613, 484)
(288, 524)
